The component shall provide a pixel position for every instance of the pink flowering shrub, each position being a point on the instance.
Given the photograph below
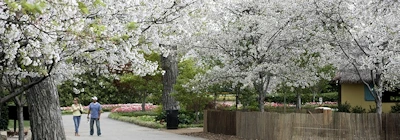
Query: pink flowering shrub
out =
(132, 108)
(273, 104)
(224, 106)
(117, 107)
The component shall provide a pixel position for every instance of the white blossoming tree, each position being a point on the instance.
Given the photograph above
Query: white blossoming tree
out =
(258, 43)
(367, 36)
(46, 42)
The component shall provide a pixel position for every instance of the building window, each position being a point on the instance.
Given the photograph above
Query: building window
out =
(367, 94)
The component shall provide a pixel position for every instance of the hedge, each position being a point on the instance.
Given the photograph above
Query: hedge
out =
(4, 117)
(151, 124)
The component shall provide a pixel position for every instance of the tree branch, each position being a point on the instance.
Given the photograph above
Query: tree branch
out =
(22, 89)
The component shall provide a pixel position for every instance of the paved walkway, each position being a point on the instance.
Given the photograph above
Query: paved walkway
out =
(117, 130)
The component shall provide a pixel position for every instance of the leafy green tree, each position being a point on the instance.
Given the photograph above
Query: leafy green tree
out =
(323, 84)
(141, 86)
(217, 90)
(190, 100)
(248, 98)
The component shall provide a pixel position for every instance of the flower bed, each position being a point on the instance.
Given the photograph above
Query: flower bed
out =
(132, 108)
(117, 107)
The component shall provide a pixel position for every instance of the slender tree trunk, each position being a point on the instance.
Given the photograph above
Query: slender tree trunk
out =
(378, 90)
(314, 94)
(215, 100)
(261, 95)
(170, 66)
(261, 101)
(21, 134)
(1, 112)
(45, 115)
(197, 116)
(143, 102)
(378, 102)
(20, 116)
(284, 103)
(298, 105)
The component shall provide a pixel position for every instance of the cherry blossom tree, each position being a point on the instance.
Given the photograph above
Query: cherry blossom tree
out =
(169, 32)
(367, 37)
(47, 42)
(258, 43)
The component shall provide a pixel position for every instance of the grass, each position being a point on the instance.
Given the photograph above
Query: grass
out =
(11, 124)
(138, 113)
(146, 121)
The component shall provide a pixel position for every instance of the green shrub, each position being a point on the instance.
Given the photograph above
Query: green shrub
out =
(344, 107)
(372, 109)
(185, 119)
(161, 116)
(147, 121)
(4, 117)
(357, 109)
(107, 109)
(332, 96)
(395, 108)
(137, 113)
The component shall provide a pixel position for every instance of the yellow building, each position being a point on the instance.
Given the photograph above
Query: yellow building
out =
(353, 91)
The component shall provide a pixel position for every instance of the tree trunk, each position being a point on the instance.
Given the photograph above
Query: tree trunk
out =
(45, 115)
(298, 105)
(170, 66)
(143, 102)
(21, 134)
(314, 94)
(20, 116)
(215, 100)
(284, 103)
(261, 101)
(379, 91)
(197, 116)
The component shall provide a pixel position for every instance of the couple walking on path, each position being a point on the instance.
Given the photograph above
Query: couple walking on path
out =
(94, 112)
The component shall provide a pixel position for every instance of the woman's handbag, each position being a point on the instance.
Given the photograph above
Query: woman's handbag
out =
(80, 109)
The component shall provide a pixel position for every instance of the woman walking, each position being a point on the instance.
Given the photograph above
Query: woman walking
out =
(76, 112)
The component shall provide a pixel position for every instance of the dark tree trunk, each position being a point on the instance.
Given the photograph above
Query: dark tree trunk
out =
(21, 134)
(261, 101)
(20, 110)
(144, 102)
(261, 95)
(215, 100)
(45, 115)
(170, 66)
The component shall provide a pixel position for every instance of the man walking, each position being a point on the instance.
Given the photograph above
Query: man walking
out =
(95, 112)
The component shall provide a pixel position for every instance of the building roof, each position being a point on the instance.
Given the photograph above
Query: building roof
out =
(350, 75)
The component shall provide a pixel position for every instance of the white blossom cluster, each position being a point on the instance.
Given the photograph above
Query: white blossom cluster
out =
(253, 42)
(77, 36)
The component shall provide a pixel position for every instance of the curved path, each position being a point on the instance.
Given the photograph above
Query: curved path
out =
(117, 130)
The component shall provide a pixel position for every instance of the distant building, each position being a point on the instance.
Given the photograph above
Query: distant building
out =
(353, 91)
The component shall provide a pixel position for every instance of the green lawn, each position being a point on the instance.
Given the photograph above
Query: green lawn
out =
(11, 124)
